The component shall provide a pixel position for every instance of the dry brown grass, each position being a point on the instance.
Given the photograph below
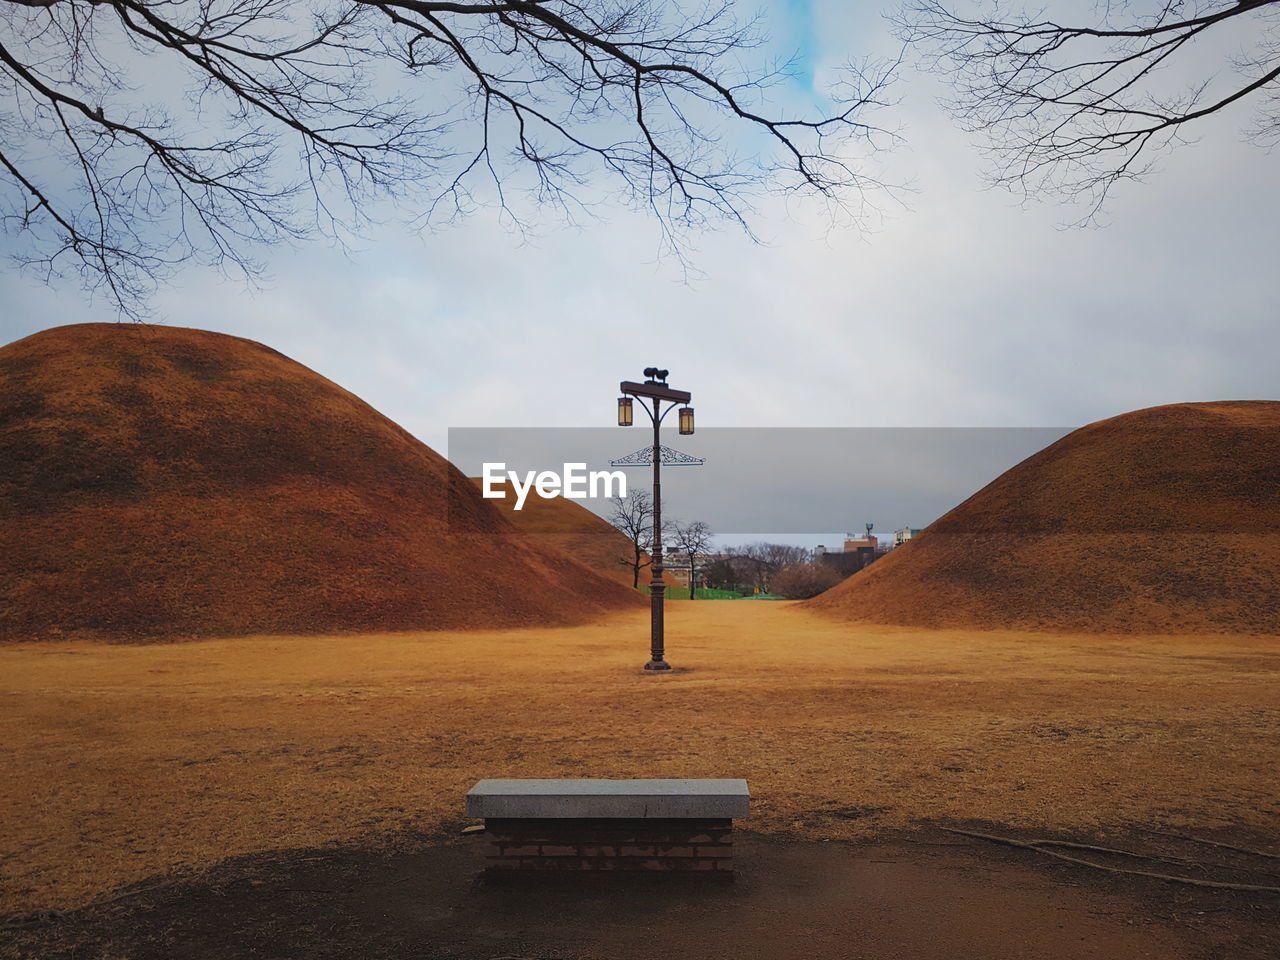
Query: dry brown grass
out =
(125, 761)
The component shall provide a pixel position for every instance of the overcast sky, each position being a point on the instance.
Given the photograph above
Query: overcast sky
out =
(961, 309)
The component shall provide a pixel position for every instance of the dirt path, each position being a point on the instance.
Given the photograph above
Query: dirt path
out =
(792, 900)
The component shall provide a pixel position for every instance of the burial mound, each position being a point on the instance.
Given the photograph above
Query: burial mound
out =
(162, 482)
(1165, 520)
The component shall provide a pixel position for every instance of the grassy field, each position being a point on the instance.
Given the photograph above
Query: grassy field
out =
(123, 762)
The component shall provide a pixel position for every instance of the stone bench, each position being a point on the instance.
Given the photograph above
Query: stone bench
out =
(609, 825)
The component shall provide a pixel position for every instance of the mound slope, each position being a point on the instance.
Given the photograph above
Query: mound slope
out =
(1166, 520)
(571, 529)
(159, 481)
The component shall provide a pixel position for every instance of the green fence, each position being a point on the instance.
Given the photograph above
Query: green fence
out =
(699, 593)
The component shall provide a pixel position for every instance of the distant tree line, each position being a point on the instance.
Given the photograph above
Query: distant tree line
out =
(772, 568)
(782, 569)
(751, 568)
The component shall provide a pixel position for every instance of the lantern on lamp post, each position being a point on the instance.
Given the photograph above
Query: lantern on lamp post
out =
(655, 390)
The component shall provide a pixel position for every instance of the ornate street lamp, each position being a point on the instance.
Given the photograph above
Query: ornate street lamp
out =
(655, 390)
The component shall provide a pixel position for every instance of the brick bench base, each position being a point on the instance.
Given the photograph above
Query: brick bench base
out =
(616, 844)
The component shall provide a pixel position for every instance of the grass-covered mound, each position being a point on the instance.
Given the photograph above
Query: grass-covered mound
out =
(1160, 521)
(159, 482)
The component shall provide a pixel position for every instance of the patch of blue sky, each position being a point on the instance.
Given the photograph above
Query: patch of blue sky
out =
(801, 38)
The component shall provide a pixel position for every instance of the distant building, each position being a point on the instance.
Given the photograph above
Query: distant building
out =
(854, 543)
(676, 572)
(845, 564)
(863, 547)
(902, 536)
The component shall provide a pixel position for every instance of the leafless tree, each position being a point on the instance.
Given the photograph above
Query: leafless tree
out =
(800, 581)
(140, 134)
(756, 563)
(721, 573)
(693, 540)
(1075, 109)
(633, 516)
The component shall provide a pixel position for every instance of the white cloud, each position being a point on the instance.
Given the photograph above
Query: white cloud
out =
(963, 310)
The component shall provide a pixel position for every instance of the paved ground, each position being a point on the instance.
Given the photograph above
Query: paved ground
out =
(911, 899)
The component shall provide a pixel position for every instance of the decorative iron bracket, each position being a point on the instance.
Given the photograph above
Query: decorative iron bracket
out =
(670, 458)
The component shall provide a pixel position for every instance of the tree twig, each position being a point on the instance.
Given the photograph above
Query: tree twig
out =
(1215, 843)
(1039, 846)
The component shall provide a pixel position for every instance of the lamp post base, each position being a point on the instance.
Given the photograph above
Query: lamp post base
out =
(655, 665)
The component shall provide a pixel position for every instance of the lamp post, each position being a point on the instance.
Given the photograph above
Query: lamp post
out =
(655, 390)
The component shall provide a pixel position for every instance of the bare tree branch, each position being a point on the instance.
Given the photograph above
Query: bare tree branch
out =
(693, 540)
(633, 517)
(1074, 110)
(142, 134)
